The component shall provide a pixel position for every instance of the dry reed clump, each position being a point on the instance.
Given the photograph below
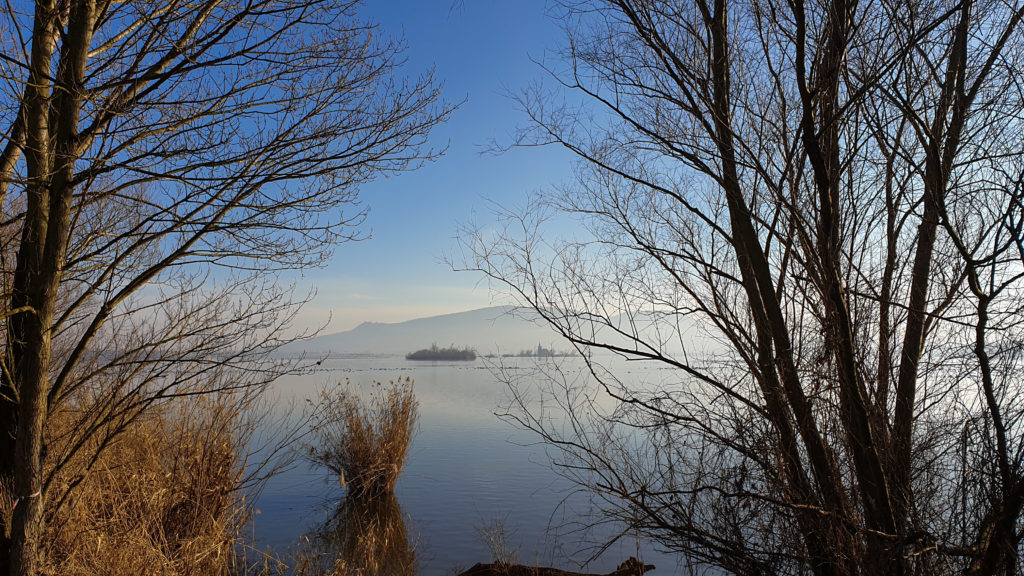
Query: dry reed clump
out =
(365, 443)
(160, 499)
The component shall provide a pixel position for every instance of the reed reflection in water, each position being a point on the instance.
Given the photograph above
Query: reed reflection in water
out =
(366, 536)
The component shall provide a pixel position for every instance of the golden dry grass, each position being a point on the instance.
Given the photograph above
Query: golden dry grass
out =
(160, 499)
(365, 442)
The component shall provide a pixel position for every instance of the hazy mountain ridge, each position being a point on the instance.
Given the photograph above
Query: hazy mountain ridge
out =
(493, 330)
(489, 330)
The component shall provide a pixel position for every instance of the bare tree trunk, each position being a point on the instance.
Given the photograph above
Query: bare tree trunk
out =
(8, 395)
(26, 524)
(52, 152)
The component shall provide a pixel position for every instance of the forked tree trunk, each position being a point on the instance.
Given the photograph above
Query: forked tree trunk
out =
(51, 152)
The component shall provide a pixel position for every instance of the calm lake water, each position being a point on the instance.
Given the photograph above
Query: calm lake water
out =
(467, 472)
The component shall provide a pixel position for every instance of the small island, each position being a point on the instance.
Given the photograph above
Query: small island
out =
(435, 353)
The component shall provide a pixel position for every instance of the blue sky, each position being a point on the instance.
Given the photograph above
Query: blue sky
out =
(481, 50)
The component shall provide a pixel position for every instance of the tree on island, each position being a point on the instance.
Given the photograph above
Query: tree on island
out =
(449, 353)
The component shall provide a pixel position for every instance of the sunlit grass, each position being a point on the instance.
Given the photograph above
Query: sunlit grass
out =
(365, 440)
(159, 499)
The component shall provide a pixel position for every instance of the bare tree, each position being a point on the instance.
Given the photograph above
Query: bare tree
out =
(831, 193)
(161, 162)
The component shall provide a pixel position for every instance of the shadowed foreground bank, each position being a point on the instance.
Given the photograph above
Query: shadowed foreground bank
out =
(631, 567)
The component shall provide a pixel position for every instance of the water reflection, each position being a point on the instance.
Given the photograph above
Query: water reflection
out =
(466, 468)
(365, 537)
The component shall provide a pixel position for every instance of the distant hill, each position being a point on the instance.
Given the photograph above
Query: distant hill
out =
(488, 330)
(495, 330)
